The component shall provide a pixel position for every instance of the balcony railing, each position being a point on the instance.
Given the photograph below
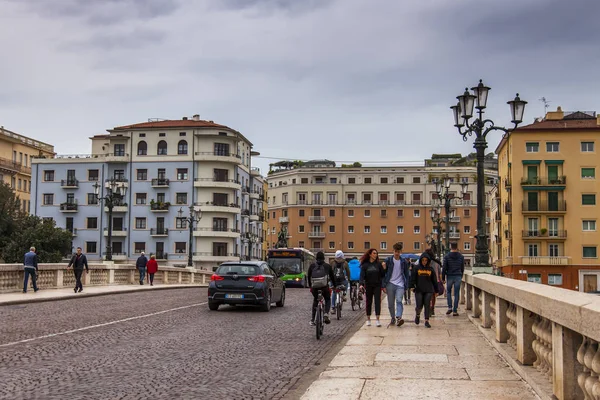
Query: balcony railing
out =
(117, 179)
(217, 180)
(508, 208)
(246, 213)
(454, 220)
(454, 235)
(217, 204)
(316, 218)
(545, 260)
(217, 153)
(68, 206)
(316, 234)
(69, 183)
(215, 254)
(284, 220)
(560, 206)
(218, 229)
(538, 181)
(160, 206)
(14, 166)
(160, 182)
(245, 189)
(507, 182)
(545, 234)
(159, 232)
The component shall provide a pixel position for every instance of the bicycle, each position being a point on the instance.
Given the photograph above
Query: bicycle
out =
(339, 300)
(355, 299)
(319, 322)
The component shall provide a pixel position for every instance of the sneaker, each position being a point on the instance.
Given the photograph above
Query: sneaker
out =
(326, 319)
(432, 312)
(378, 324)
(405, 302)
(417, 319)
(448, 312)
(393, 321)
(345, 298)
(455, 314)
(75, 290)
(399, 322)
(427, 325)
(312, 323)
(368, 322)
(35, 290)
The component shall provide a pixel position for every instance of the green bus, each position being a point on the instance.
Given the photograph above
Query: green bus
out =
(293, 263)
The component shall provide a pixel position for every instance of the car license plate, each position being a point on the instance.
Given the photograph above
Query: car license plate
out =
(234, 296)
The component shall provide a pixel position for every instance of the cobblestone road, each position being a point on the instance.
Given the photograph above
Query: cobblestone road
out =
(189, 353)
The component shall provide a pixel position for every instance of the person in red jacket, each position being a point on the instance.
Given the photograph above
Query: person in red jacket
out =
(152, 268)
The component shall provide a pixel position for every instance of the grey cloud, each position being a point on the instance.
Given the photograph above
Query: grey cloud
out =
(290, 7)
(136, 39)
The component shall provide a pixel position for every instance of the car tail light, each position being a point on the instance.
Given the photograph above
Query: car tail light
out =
(216, 277)
(257, 278)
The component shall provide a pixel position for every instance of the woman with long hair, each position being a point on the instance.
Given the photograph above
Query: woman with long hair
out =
(437, 267)
(371, 276)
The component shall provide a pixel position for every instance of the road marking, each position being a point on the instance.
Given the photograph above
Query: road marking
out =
(101, 325)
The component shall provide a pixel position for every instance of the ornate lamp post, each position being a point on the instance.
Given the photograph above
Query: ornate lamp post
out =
(250, 238)
(463, 112)
(115, 194)
(436, 218)
(195, 216)
(442, 188)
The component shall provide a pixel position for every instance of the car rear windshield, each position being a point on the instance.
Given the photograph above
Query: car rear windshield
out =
(238, 270)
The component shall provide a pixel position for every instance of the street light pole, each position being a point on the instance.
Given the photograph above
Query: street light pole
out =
(195, 216)
(463, 111)
(442, 189)
(116, 193)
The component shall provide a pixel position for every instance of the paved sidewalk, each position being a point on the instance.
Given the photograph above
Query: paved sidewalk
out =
(88, 291)
(452, 360)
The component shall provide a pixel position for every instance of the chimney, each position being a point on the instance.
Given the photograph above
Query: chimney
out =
(185, 118)
(196, 117)
(555, 115)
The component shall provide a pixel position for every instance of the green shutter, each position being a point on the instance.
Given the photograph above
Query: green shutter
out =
(552, 201)
(552, 173)
(589, 252)
(532, 201)
(588, 172)
(588, 199)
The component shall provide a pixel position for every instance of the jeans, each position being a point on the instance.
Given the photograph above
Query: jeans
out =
(142, 274)
(423, 301)
(33, 273)
(345, 283)
(326, 297)
(395, 294)
(453, 281)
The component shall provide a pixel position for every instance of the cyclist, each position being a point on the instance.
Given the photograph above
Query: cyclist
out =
(341, 272)
(319, 276)
(354, 266)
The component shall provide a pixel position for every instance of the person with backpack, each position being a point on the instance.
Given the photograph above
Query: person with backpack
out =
(371, 277)
(354, 267)
(437, 267)
(341, 272)
(395, 282)
(319, 276)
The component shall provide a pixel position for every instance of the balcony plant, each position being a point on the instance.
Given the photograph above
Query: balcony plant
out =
(543, 231)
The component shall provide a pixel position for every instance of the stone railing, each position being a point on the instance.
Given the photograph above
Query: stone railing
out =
(551, 334)
(57, 276)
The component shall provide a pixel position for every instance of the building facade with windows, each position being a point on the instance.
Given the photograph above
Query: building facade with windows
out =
(166, 166)
(548, 173)
(354, 209)
(16, 157)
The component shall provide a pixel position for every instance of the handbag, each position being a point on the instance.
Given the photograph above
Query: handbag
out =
(440, 288)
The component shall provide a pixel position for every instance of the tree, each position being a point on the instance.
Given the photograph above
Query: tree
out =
(52, 244)
(10, 212)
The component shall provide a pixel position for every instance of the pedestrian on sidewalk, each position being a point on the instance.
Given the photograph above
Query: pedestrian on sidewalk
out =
(395, 282)
(30, 268)
(78, 261)
(140, 264)
(152, 268)
(424, 283)
(437, 267)
(452, 272)
(341, 272)
(407, 291)
(371, 279)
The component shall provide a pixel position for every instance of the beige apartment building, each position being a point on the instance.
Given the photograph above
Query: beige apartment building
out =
(16, 155)
(325, 207)
(549, 201)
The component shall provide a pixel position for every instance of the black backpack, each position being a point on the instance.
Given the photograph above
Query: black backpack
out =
(319, 277)
(338, 273)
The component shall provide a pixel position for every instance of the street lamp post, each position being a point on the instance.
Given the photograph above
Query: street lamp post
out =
(195, 216)
(116, 193)
(442, 188)
(250, 239)
(463, 112)
(437, 220)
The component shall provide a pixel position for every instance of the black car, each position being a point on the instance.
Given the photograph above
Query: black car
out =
(247, 282)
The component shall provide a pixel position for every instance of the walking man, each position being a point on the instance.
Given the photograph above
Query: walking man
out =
(453, 269)
(30, 268)
(395, 283)
(140, 264)
(78, 261)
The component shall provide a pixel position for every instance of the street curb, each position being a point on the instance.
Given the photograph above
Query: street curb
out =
(86, 294)
(519, 369)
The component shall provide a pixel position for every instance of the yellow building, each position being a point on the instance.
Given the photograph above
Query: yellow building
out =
(548, 173)
(16, 153)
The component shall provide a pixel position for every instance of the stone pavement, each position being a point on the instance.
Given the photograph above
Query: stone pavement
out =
(89, 291)
(452, 360)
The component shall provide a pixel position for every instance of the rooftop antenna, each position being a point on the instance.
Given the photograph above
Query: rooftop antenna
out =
(546, 105)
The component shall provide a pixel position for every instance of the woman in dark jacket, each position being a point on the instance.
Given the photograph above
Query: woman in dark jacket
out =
(371, 276)
(424, 283)
(437, 267)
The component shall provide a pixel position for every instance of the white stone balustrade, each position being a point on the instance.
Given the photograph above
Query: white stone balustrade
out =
(554, 331)
(57, 276)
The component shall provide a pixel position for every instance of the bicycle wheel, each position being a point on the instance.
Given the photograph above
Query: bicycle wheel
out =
(361, 302)
(319, 321)
(353, 297)
(338, 307)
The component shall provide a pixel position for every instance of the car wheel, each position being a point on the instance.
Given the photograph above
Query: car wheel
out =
(267, 306)
(281, 301)
(213, 306)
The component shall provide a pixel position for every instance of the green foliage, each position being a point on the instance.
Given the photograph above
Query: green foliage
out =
(353, 165)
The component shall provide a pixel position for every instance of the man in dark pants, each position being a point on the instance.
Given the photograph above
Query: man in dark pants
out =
(141, 263)
(78, 261)
(452, 272)
(320, 272)
(30, 268)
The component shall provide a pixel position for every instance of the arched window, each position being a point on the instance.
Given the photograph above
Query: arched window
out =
(162, 148)
(182, 147)
(142, 148)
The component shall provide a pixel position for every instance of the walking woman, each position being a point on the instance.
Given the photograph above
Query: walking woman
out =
(437, 267)
(424, 283)
(152, 268)
(371, 276)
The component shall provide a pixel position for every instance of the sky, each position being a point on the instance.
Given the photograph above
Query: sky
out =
(346, 80)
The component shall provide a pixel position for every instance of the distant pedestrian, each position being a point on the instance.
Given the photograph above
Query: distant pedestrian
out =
(452, 272)
(395, 283)
(424, 283)
(140, 264)
(152, 268)
(30, 268)
(437, 267)
(407, 291)
(78, 261)
(371, 278)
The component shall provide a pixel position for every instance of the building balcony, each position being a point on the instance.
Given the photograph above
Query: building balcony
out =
(254, 217)
(217, 231)
(159, 206)
(69, 207)
(454, 235)
(454, 220)
(544, 234)
(160, 182)
(122, 181)
(255, 171)
(245, 213)
(116, 157)
(217, 156)
(13, 166)
(254, 195)
(69, 183)
(284, 220)
(211, 207)
(245, 190)
(120, 207)
(161, 255)
(316, 218)
(544, 207)
(538, 181)
(508, 208)
(159, 232)
(117, 256)
(117, 232)
(316, 235)
(215, 256)
(507, 183)
(217, 183)
(73, 231)
(545, 260)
